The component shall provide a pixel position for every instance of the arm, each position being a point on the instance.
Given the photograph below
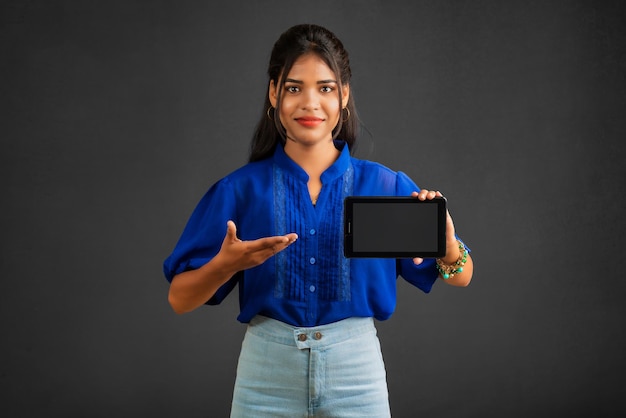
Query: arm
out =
(452, 248)
(193, 288)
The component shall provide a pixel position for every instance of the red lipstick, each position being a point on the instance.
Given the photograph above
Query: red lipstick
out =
(309, 121)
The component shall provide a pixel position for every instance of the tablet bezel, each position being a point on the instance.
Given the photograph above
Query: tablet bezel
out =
(349, 202)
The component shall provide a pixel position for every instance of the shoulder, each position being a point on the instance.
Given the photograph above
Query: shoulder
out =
(374, 169)
(249, 171)
(250, 175)
(251, 179)
(371, 166)
(374, 173)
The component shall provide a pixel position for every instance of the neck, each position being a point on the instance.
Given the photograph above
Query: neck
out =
(314, 159)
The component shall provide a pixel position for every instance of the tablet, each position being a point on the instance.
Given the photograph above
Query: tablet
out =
(394, 227)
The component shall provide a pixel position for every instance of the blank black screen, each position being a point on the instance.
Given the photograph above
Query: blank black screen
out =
(394, 227)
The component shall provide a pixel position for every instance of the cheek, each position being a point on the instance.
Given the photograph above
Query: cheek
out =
(286, 109)
(332, 110)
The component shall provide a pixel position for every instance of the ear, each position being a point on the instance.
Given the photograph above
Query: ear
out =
(272, 93)
(345, 95)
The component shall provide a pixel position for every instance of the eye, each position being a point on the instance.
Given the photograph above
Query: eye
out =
(327, 89)
(292, 89)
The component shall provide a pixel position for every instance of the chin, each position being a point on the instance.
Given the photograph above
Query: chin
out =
(308, 139)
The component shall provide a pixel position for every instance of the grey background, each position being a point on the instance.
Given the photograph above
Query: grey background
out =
(118, 115)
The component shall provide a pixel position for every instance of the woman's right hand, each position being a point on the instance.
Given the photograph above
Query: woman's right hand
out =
(237, 255)
(193, 288)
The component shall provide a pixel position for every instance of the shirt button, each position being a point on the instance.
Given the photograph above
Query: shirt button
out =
(312, 231)
(317, 335)
(312, 288)
(302, 337)
(312, 260)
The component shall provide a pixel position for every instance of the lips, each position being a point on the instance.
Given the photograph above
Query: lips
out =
(309, 121)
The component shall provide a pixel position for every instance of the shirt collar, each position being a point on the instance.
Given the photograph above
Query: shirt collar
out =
(334, 171)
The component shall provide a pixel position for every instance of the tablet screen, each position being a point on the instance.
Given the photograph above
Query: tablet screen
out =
(398, 227)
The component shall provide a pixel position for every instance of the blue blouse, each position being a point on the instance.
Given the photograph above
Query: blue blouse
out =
(311, 282)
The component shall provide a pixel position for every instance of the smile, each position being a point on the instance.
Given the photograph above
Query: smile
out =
(309, 121)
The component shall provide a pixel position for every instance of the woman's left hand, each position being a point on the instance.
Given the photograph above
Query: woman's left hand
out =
(452, 247)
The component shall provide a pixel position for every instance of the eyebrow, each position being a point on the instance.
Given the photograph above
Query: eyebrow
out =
(291, 80)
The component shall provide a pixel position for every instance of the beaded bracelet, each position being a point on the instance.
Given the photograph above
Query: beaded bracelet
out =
(449, 270)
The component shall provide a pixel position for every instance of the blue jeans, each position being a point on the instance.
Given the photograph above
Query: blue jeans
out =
(333, 370)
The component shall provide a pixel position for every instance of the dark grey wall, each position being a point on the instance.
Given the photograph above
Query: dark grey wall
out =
(117, 115)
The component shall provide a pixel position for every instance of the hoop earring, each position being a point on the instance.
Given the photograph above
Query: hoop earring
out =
(268, 113)
(348, 111)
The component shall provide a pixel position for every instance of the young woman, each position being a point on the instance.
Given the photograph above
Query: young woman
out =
(274, 227)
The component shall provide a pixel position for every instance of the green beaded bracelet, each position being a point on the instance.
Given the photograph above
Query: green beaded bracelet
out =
(449, 270)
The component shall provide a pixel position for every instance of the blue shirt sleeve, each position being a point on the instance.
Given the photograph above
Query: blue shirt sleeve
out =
(203, 235)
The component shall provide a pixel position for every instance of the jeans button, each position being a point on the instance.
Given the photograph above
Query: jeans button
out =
(302, 337)
(317, 335)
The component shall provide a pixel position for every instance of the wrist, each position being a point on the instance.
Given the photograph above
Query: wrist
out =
(220, 268)
(451, 256)
(449, 269)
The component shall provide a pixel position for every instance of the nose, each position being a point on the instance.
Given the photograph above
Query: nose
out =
(310, 100)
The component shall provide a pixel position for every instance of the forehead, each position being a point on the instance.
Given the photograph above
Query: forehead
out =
(310, 66)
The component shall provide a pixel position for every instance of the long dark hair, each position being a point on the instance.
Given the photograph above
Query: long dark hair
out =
(295, 42)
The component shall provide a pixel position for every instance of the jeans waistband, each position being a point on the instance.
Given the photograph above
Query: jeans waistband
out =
(310, 337)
